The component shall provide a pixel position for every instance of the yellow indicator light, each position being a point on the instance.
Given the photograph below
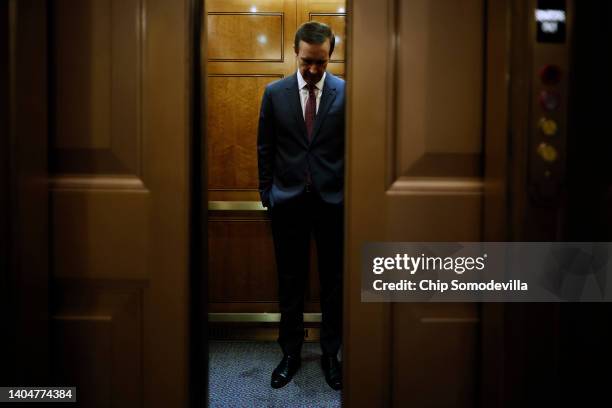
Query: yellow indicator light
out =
(547, 152)
(548, 126)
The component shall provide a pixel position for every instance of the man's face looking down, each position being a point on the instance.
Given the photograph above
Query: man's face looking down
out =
(313, 60)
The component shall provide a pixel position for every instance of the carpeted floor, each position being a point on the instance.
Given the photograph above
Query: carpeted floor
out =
(239, 376)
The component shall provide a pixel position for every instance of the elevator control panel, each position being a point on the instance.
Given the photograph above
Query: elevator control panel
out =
(551, 30)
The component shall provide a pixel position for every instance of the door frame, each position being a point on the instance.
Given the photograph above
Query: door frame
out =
(198, 210)
(497, 26)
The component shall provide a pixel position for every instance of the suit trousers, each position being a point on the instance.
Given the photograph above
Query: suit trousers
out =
(293, 224)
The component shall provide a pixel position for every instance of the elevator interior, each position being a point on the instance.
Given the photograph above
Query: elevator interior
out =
(249, 45)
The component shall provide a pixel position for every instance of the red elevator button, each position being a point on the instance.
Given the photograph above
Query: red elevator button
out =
(550, 74)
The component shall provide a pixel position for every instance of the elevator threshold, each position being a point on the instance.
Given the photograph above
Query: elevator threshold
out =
(256, 326)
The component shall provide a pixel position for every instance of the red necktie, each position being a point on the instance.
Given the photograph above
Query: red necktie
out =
(311, 109)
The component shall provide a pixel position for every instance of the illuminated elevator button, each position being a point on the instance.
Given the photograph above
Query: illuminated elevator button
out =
(550, 100)
(548, 126)
(550, 74)
(547, 152)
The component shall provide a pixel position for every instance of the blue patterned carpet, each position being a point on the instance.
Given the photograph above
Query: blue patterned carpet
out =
(239, 376)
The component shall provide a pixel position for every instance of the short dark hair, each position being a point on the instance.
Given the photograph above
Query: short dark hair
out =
(314, 32)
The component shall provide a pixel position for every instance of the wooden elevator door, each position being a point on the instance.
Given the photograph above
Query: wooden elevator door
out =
(426, 83)
(119, 195)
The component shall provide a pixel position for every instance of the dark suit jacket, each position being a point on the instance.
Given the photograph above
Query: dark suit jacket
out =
(283, 151)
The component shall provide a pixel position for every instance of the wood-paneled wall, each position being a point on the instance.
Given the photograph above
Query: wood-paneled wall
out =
(250, 44)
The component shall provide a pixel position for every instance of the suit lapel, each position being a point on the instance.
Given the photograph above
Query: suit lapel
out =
(293, 95)
(329, 94)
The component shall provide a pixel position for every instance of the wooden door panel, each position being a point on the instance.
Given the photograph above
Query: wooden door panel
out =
(233, 113)
(99, 234)
(250, 37)
(413, 175)
(97, 336)
(119, 200)
(97, 111)
(439, 88)
(241, 254)
(245, 37)
(438, 340)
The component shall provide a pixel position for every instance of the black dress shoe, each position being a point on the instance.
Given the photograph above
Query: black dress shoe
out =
(284, 371)
(333, 371)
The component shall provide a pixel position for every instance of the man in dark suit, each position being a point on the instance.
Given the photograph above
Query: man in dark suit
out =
(300, 145)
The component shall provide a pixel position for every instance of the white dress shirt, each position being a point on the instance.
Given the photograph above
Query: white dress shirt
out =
(304, 91)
